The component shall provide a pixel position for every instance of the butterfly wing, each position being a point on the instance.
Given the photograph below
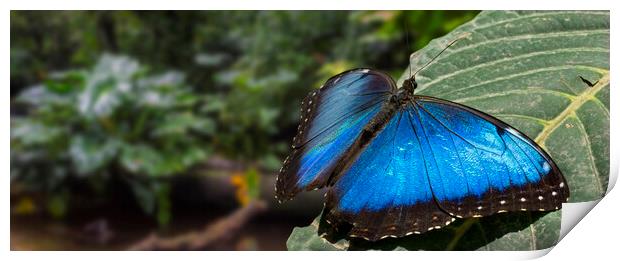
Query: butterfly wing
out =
(436, 160)
(386, 191)
(483, 165)
(332, 117)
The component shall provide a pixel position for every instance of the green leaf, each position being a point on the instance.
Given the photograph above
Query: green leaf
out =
(89, 154)
(179, 123)
(153, 197)
(106, 84)
(145, 194)
(524, 68)
(142, 158)
(30, 132)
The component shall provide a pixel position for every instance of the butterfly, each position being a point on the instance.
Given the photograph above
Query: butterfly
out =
(396, 163)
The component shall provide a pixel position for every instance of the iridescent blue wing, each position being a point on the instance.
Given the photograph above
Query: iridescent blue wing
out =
(483, 165)
(386, 191)
(435, 161)
(332, 118)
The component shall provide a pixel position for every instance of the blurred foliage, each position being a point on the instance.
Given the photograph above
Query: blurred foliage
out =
(243, 76)
(115, 117)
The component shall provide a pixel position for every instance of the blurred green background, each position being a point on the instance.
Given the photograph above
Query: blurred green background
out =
(165, 129)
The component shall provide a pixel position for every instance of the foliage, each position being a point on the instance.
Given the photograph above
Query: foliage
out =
(524, 68)
(254, 66)
(244, 74)
(115, 118)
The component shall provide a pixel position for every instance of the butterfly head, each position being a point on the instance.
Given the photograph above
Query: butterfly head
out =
(410, 85)
(406, 91)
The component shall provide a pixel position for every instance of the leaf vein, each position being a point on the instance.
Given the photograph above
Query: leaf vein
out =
(538, 14)
(526, 73)
(525, 117)
(447, 54)
(526, 91)
(527, 55)
(571, 108)
(595, 171)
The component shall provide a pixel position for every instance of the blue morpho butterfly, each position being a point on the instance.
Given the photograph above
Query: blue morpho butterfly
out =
(397, 163)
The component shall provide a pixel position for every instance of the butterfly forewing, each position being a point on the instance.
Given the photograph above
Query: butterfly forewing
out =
(332, 118)
(484, 166)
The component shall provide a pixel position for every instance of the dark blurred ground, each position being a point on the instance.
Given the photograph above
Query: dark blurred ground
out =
(265, 232)
(128, 124)
(117, 223)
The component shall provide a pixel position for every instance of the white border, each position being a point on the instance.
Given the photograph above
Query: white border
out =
(311, 5)
(594, 237)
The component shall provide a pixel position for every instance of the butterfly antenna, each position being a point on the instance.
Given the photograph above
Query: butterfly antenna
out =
(463, 35)
(407, 37)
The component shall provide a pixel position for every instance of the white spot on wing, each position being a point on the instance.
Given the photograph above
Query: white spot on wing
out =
(546, 167)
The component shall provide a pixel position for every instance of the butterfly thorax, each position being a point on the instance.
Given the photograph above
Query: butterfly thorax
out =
(405, 93)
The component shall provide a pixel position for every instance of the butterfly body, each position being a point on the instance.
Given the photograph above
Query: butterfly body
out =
(396, 163)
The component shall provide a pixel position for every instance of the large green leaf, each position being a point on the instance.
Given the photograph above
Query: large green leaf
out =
(524, 68)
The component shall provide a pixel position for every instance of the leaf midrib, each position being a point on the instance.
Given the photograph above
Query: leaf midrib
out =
(575, 104)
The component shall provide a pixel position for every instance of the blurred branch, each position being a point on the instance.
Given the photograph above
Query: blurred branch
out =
(214, 234)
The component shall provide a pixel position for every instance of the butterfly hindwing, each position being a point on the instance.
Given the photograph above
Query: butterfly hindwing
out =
(386, 191)
(484, 166)
(332, 118)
